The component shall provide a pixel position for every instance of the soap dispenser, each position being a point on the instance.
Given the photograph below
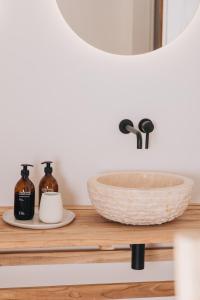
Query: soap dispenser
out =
(48, 183)
(24, 202)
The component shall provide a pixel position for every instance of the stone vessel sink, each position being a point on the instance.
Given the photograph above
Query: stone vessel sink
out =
(140, 198)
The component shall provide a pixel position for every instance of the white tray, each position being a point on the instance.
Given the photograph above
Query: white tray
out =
(35, 223)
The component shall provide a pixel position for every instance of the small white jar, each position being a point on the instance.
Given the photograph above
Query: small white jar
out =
(51, 208)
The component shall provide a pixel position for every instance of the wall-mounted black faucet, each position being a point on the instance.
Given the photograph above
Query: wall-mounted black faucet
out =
(145, 125)
(126, 126)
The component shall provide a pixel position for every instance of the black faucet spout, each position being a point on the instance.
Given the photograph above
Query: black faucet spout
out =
(126, 126)
(138, 135)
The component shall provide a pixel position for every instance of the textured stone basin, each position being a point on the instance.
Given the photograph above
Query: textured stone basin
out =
(140, 198)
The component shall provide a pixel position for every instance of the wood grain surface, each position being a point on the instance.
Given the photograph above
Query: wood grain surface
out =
(79, 257)
(90, 229)
(91, 292)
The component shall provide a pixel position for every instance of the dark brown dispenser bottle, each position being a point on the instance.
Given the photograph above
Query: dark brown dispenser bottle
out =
(24, 202)
(48, 183)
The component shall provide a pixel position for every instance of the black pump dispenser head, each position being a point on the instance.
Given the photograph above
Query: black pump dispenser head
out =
(48, 169)
(25, 171)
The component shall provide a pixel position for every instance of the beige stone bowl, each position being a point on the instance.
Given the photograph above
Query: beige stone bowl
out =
(140, 198)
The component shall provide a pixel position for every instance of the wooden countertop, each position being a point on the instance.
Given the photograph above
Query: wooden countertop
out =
(90, 229)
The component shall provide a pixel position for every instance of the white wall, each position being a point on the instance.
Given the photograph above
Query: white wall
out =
(61, 99)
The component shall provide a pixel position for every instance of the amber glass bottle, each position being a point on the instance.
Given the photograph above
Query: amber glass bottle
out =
(24, 202)
(48, 183)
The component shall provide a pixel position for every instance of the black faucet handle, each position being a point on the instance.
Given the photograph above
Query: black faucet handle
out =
(123, 126)
(146, 126)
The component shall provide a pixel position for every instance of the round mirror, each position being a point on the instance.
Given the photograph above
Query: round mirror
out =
(128, 27)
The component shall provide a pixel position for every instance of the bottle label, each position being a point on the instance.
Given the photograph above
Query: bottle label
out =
(24, 205)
